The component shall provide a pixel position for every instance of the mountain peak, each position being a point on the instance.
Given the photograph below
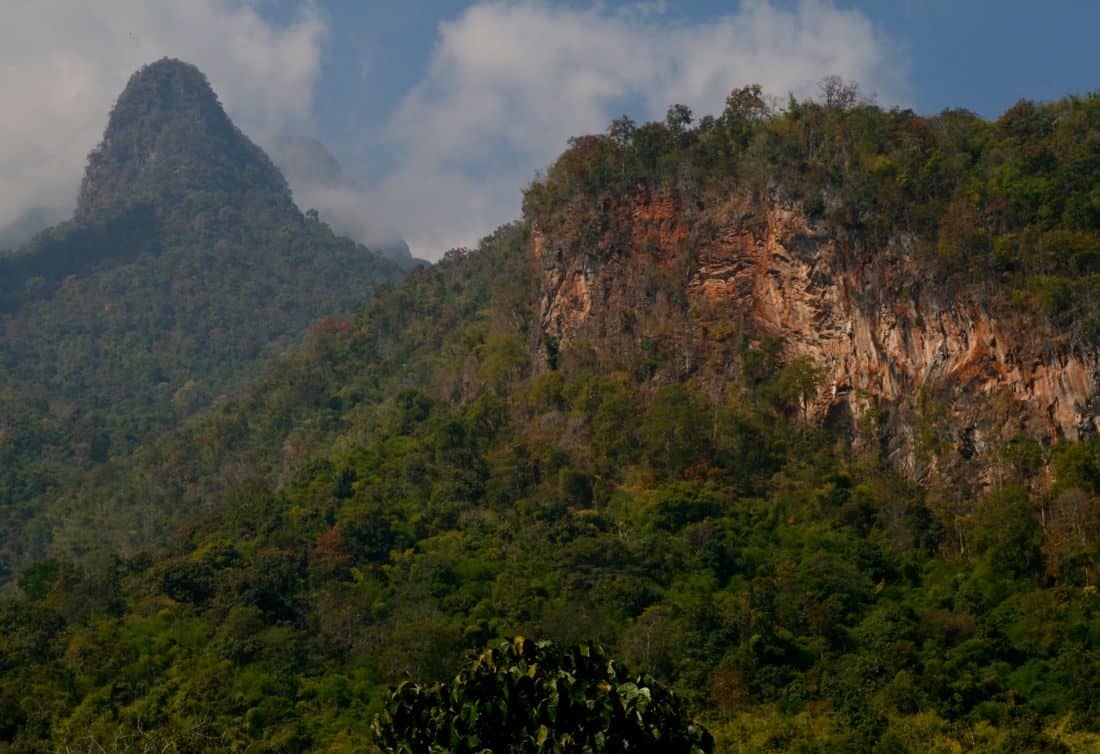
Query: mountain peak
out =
(168, 138)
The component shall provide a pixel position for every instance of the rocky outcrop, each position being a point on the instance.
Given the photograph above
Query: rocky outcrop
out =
(888, 334)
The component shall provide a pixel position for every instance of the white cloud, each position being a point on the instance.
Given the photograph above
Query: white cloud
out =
(508, 83)
(65, 62)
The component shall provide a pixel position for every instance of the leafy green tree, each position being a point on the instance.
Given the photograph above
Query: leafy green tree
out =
(674, 429)
(678, 119)
(37, 580)
(525, 696)
(621, 131)
(1008, 534)
(796, 385)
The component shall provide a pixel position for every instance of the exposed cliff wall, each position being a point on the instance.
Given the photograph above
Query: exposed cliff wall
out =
(940, 364)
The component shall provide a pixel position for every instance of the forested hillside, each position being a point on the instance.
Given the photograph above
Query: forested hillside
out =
(185, 271)
(503, 444)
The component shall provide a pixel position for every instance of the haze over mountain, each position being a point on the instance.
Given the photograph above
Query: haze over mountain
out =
(185, 270)
(320, 183)
(30, 222)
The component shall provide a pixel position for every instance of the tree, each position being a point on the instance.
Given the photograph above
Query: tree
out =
(678, 118)
(745, 106)
(674, 429)
(797, 384)
(838, 94)
(621, 131)
(1007, 533)
(527, 696)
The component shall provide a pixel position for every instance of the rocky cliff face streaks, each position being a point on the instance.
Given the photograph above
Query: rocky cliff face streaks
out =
(888, 334)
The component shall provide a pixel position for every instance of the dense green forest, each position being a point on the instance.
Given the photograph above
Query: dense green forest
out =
(431, 474)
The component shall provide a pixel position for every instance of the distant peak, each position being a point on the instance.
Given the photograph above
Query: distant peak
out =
(167, 137)
(170, 67)
(169, 85)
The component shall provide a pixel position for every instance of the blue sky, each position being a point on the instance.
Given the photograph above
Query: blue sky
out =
(986, 55)
(982, 55)
(442, 111)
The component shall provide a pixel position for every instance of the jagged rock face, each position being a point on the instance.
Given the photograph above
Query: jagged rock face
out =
(888, 334)
(168, 138)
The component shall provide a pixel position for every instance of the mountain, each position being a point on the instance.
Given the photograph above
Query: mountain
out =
(186, 269)
(170, 144)
(772, 405)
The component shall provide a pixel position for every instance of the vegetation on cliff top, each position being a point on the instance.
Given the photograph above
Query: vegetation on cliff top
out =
(1014, 203)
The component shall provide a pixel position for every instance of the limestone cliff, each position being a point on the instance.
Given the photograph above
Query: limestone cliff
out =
(933, 362)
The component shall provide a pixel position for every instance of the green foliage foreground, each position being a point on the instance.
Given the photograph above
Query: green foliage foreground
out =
(796, 595)
(526, 697)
